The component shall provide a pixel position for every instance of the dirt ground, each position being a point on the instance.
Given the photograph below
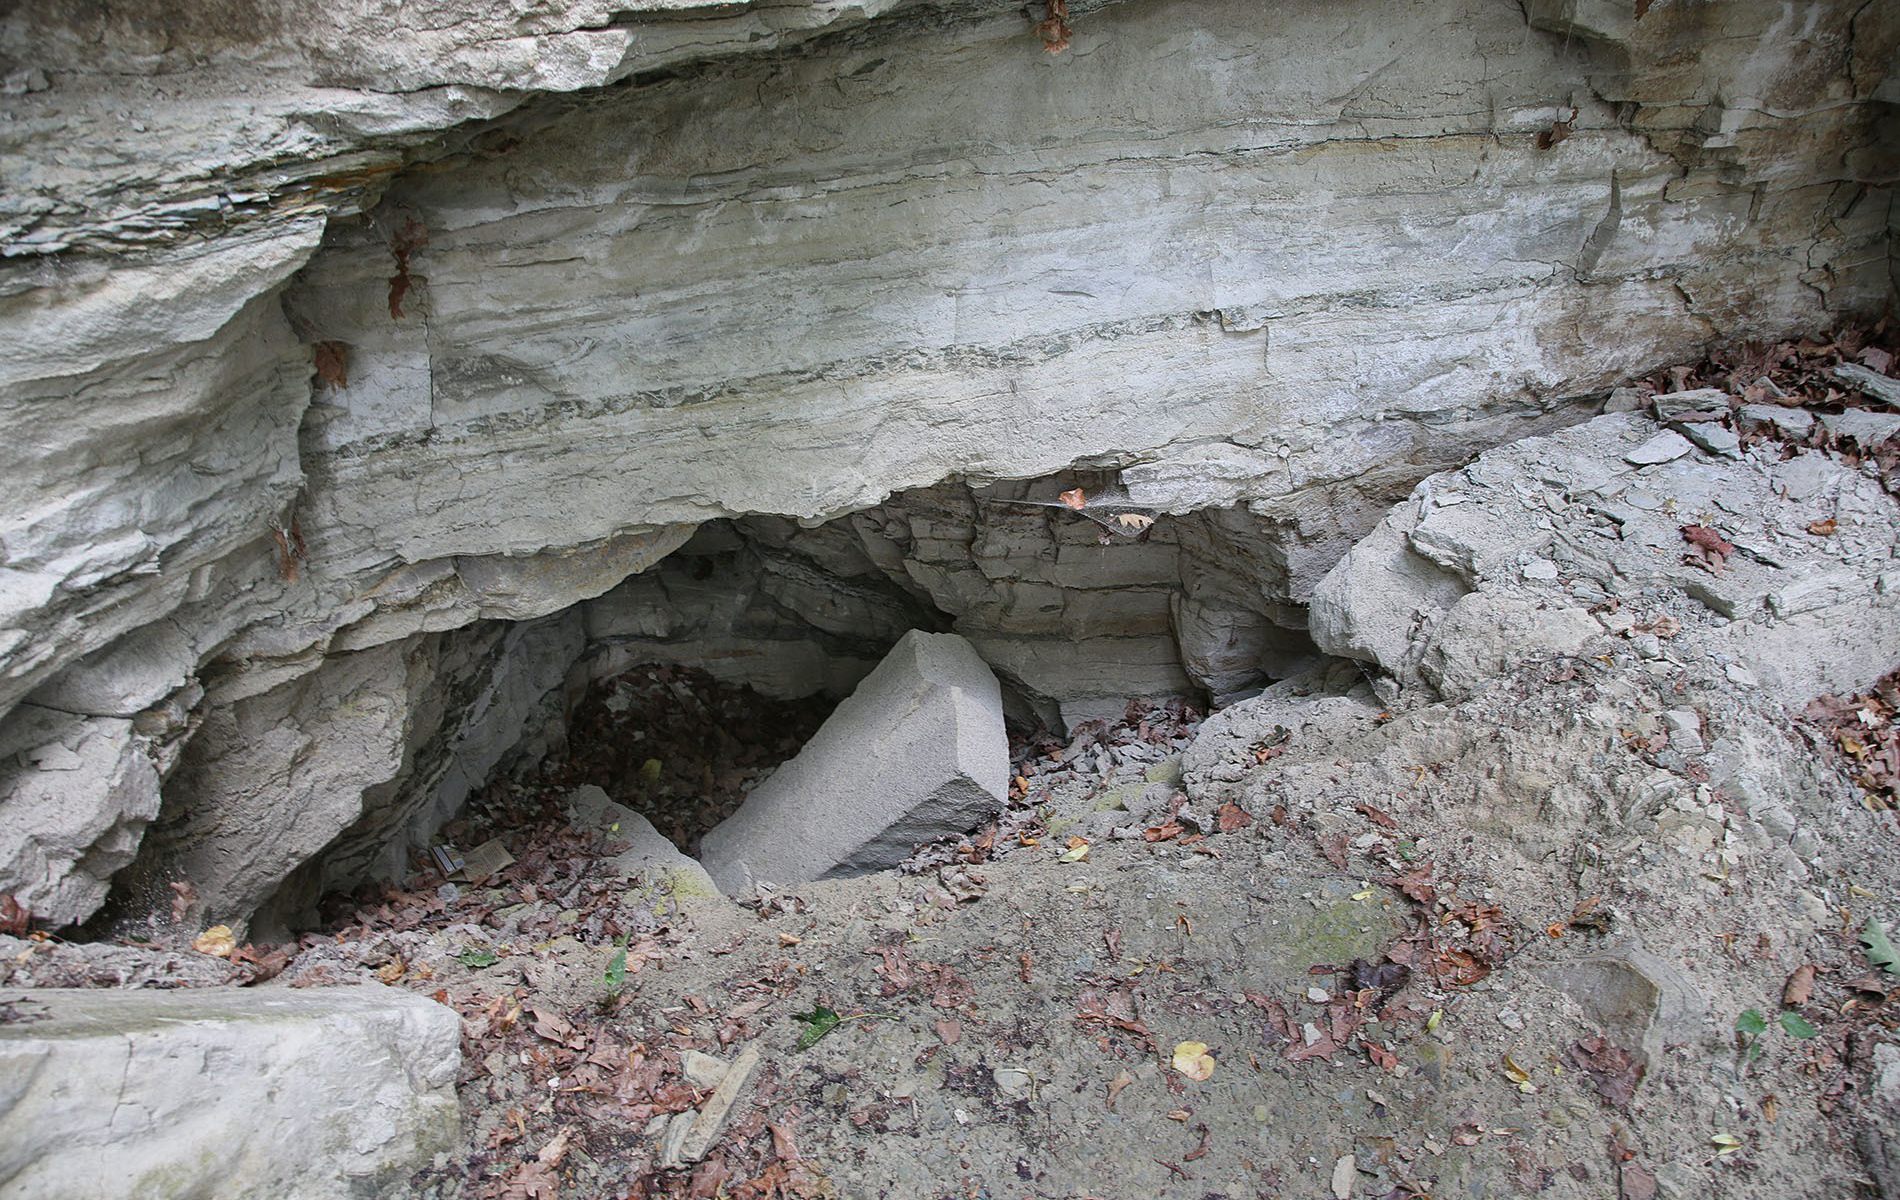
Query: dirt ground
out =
(1410, 979)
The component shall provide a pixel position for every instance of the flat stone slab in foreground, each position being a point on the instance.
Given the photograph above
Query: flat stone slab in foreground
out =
(917, 752)
(295, 1095)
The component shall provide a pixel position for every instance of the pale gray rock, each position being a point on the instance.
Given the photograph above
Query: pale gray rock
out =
(1664, 447)
(1794, 423)
(1485, 633)
(1868, 429)
(76, 795)
(651, 859)
(1716, 439)
(917, 752)
(1884, 388)
(1430, 595)
(1697, 404)
(692, 1133)
(322, 1094)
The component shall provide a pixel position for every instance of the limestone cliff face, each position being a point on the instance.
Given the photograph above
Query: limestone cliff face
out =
(580, 276)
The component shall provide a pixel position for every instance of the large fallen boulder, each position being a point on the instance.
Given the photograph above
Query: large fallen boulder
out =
(1776, 567)
(916, 753)
(300, 1095)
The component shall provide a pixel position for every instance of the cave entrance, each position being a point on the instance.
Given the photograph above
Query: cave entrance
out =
(703, 674)
(680, 689)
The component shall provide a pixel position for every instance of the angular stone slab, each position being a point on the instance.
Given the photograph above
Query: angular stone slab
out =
(299, 1095)
(651, 857)
(916, 753)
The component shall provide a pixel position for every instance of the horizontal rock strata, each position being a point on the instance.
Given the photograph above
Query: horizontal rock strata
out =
(345, 329)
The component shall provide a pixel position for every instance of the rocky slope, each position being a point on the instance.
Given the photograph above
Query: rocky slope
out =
(334, 337)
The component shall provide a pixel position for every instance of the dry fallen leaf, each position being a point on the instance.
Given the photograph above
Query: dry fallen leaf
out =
(1133, 521)
(1077, 851)
(1800, 987)
(216, 941)
(950, 1031)
(1232, 817)
(1074, 498)
(1122, 1080)
(1193, 1060)
(1823, 528)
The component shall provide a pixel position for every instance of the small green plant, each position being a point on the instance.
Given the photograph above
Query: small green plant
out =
(1752, 1025)
(475, 959)
(818, 1022)
(615, 976)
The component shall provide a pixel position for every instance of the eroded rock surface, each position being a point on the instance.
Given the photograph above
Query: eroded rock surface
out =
(320, 1094)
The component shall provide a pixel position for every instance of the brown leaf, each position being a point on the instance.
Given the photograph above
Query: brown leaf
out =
(1199, 1151)
(1712, 544)
(1377, 816)
(1323, 1048)
(1334, 848)
(1162, 833)
(1635, 1182)
(1613, 1070)
(1231, 817)
(782, 1143)
(951, 1032)
(183, 897)
(1417, 884)
(332, 360)
(14, 917)
(1074, 498)
(1800, 987)
(1116, 1085)
(1824, 528)
(1558, 131)
(1054, 29)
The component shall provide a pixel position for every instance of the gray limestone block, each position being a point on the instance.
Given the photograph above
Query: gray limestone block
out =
(917, 752)
(302, 1095)
(74, 804)
(651, 858)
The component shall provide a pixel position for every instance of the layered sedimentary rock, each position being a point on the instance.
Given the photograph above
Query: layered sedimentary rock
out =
(349, 328)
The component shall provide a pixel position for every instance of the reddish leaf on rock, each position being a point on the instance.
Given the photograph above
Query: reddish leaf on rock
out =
(1417, 884)
(332, 360)
(1161, 833)
(1635, 1182)
(1232, 817)
(1200, 1151)
(1714, 548)
(14, 917)
(1334, 848)
(1075, 498)
(1322, 1048)
(1612, 1069)
(183, 897)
